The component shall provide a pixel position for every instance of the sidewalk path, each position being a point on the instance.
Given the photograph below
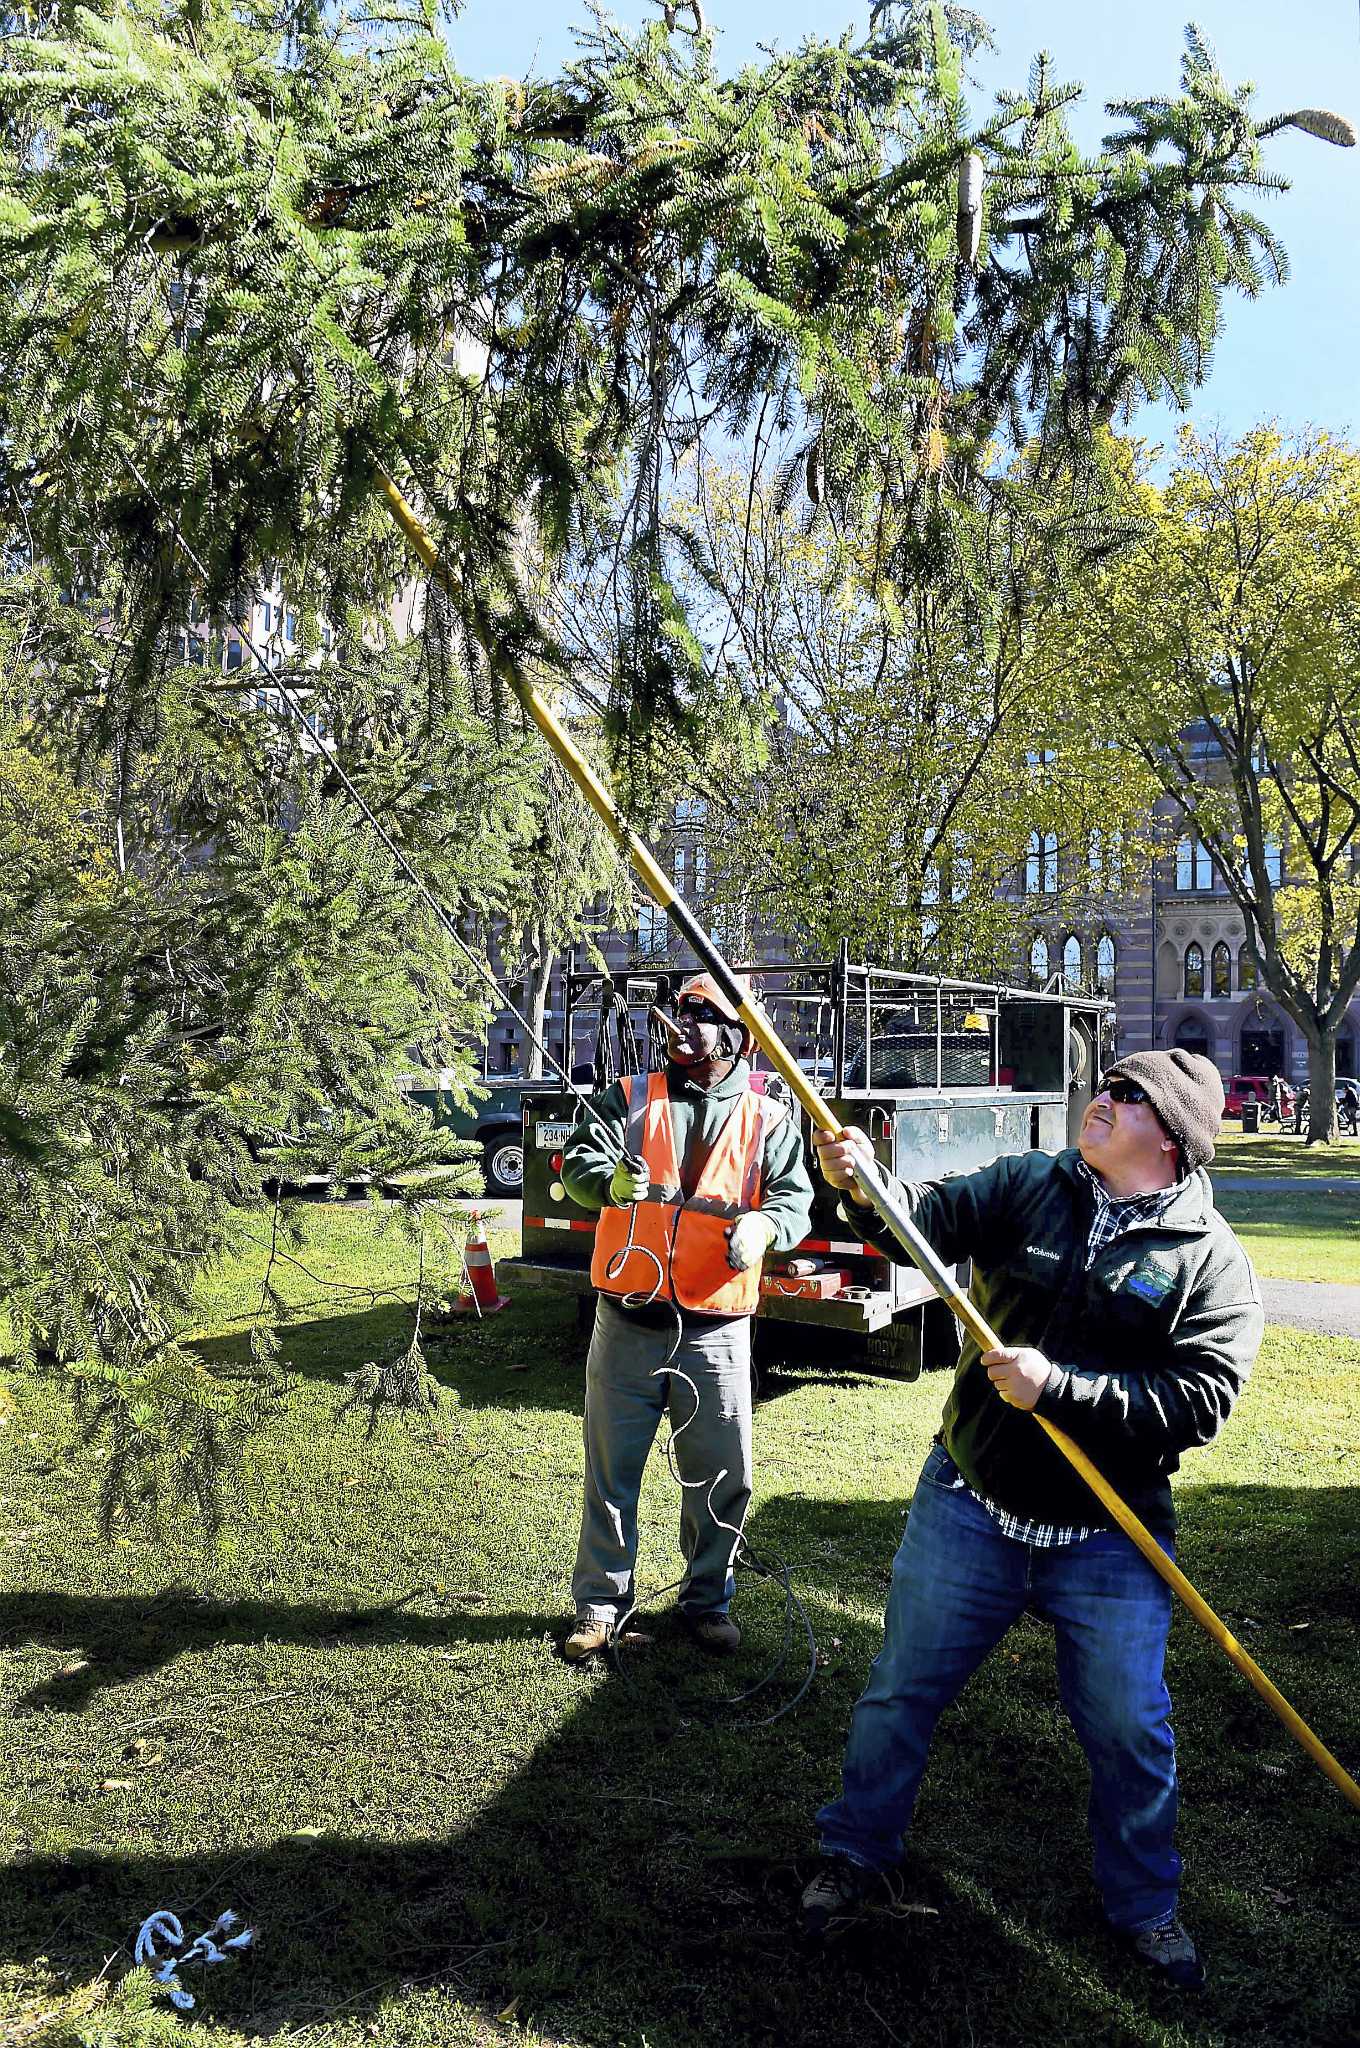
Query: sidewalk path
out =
(1264, 1184)
(1327, 1308)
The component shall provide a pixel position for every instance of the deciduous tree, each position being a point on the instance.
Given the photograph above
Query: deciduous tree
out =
(1226, 648)
(909, 754)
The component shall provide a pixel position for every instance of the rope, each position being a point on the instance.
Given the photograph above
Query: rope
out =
(208, 1947)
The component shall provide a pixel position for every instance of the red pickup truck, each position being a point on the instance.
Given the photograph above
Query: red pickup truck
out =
(1242, 1088)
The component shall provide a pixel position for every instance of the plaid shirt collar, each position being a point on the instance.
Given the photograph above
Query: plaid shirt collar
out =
(1116, 1214)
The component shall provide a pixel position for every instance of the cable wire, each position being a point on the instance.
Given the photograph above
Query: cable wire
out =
(741, 1552)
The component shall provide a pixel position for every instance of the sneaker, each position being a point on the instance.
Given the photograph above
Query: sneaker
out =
(586, 1638)
(1169, 1950)
(716, 1633)
(834, 1896)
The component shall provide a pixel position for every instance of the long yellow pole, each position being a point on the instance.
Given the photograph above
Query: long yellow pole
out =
(881, 1193)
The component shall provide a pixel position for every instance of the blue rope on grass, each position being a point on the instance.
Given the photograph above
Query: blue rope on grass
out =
(208, 1948)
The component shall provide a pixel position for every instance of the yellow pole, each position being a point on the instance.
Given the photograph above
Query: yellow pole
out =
(879, 1191)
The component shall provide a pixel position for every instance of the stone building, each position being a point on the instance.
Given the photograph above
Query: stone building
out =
(1171, 949)
(1169, 946)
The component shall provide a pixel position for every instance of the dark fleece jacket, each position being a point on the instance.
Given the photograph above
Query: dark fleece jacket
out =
(1150, 1346)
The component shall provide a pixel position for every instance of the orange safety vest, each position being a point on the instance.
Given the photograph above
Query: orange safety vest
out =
(672, 1247)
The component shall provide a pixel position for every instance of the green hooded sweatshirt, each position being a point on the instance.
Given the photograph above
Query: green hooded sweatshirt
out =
(697, 1118)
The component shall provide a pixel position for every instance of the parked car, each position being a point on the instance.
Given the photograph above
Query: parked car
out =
(495, 1122)
(1241, 1088)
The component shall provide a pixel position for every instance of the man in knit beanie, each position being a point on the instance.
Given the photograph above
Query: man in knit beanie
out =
(1186, 1091)
(1129, 1316)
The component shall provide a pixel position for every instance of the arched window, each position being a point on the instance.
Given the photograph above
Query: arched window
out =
(1071, 962)
(1105, 959)
(1194, 970)
(1038, 962)
(1246, 969)
(1041, 864)
(1220, 970)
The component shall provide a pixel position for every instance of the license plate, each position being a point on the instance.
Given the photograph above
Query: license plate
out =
(550, 1137)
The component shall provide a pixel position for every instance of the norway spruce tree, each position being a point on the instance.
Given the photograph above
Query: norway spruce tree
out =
(209, 978)
(256, 252)
(258, 257)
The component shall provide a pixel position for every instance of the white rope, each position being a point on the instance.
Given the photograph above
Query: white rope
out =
(208, 1947)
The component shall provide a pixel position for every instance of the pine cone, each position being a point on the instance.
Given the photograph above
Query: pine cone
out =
(1317, 121)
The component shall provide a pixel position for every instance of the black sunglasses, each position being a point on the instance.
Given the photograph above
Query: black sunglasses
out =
(1120, 1090)
(699, 1008)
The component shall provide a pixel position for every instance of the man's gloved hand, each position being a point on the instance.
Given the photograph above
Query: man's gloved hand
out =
(748, 1240)
(629, 1183)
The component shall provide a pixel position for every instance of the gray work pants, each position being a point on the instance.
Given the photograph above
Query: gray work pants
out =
(624, 1405)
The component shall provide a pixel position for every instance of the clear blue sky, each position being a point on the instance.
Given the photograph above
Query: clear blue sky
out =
(1292, 355)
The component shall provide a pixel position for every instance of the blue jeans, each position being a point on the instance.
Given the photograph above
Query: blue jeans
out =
(957, 1586)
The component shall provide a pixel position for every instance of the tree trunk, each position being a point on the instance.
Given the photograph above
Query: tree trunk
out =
(540, 978)
(1322, 1119)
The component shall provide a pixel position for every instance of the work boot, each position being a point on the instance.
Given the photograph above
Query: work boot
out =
(1169, 1951)
(716, 1633)
(587, 1636)
(834, 1897)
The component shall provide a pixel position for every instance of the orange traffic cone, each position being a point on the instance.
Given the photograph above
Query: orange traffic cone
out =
(484, 1300)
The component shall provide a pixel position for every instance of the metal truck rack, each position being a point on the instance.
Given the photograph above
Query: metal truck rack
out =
(943, 1076)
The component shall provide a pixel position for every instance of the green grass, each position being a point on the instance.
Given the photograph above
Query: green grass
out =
(352, 1725)
(1279, 1155)
(1306, 1234)
(1300, 1233)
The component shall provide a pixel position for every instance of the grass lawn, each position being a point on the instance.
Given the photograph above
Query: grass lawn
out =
(1300, 1233)
(1280, 1155)
(1306, 1234)
(351, 1724)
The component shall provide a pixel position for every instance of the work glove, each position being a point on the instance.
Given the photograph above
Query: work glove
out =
(629, 1183)
(748, 1240)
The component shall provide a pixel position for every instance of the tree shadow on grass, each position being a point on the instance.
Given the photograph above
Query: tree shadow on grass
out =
(637, 1876)
(636, 1879)
(529, 1355)
(532, 1353)
(117, 1640)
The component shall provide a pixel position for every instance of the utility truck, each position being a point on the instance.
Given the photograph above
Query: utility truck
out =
(942, 1076)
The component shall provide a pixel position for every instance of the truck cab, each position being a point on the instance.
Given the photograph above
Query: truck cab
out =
(494, 1120)
(1245, 1088)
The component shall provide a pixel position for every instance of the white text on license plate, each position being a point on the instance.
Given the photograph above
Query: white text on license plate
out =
(548, 1137)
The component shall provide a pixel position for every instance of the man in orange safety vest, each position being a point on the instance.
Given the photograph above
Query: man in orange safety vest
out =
(712, 1177)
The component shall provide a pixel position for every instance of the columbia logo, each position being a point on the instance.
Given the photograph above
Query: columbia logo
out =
(1036, 1251)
